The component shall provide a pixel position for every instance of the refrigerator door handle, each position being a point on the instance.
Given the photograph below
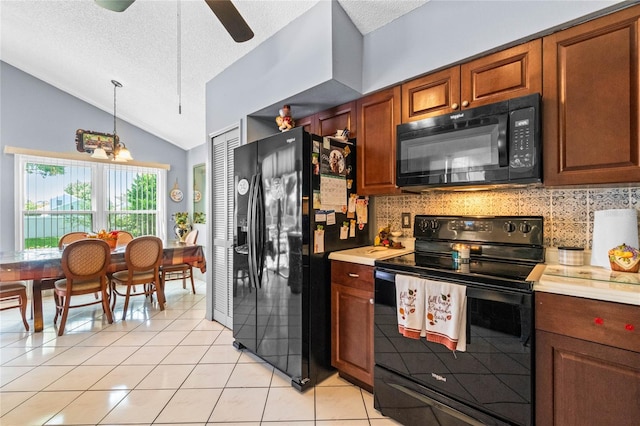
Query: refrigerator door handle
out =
(251, 236)
(260, 225)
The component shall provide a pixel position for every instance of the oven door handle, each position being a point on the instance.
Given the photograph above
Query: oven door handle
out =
(437, 405)
(497, 295)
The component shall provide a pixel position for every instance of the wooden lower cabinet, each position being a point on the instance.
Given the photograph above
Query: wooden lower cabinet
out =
(587, 362)
(352, 290)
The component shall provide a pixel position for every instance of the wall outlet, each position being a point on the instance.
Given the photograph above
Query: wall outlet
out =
(406, 220)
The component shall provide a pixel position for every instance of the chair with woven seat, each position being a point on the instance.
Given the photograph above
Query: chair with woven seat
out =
(123, 238)
(143, 256)
(12, 291)
(84, 263)
(181, 271)
(70, 237)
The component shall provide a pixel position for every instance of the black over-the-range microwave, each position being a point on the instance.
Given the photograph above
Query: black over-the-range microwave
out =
(496, 144)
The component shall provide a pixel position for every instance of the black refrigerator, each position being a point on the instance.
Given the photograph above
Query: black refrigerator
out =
(295, 201)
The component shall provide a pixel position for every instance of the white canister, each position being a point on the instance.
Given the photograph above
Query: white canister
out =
(571, 256)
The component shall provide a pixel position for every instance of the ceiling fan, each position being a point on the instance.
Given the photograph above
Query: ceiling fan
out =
(226, 12)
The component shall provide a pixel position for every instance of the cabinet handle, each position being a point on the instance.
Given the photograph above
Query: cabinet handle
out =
(352, 275)
(455, 106)
(371, 301)
(629, 327)
(598, 321)
(465, 103)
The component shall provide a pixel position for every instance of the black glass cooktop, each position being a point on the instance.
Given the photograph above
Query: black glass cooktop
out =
(492, 272)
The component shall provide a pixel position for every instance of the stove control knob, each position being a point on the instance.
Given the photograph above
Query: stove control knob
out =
(509, 227)
(525, 228)
(433, 224)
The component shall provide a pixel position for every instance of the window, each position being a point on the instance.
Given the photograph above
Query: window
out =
(57, 196)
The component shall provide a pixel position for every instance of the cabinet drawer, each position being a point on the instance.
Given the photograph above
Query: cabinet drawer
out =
(612, 324)
(352, 275)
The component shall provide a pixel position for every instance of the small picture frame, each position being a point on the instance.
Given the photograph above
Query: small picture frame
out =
(88, 141)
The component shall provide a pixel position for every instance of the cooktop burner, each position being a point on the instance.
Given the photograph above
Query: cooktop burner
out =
(504, 249)
(490, 272)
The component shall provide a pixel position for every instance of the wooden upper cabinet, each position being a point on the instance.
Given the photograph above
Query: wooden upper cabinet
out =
(378, 116)
(433, 94)
(590, 105)
(308, 123)
(337, 118)
(502, 75)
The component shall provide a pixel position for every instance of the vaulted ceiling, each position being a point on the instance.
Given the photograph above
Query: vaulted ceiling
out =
(80, 47)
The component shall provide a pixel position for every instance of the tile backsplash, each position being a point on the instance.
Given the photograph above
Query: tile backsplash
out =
(568, 213)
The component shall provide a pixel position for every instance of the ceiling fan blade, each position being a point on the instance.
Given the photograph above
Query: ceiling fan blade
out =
(115, 5)
(231, 19)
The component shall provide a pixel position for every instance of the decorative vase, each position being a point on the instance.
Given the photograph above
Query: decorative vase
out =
(112, 242)
(181, 231)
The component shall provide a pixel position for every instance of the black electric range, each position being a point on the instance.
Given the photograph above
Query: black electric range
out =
(418, 382)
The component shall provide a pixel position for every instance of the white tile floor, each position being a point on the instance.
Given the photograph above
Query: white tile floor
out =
(157, 367)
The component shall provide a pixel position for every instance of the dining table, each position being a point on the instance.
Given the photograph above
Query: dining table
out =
(43, 266)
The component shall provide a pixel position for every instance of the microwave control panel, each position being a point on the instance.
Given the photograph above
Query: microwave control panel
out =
(522, 131)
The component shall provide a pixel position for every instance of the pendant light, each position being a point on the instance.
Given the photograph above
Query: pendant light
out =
(120, 152)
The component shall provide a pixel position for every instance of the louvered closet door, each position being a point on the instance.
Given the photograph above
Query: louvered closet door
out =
(222, 224)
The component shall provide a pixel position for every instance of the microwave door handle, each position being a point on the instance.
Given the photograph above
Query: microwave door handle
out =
(503, 141)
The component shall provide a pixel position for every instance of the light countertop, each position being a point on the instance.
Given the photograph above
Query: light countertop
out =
(591, 282)
(369, 254)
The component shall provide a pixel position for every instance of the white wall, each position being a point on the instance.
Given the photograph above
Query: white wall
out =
(36, 115)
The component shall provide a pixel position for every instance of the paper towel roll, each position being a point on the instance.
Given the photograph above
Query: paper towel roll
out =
(612, 228)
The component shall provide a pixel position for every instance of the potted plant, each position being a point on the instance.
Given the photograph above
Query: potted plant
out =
(182, 225)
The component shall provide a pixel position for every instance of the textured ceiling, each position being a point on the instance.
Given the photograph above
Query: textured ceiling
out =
(80, 47)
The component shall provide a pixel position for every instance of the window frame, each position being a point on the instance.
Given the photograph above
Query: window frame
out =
(99, 203)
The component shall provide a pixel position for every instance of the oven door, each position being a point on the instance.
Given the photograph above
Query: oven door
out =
(493, 376)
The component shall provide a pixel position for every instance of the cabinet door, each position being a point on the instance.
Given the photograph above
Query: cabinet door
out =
(433, 94)
(502, 75)
(591, 102)
(308, 123)
(378, 116)
(352, 332)
(337, 118)
(584, 383)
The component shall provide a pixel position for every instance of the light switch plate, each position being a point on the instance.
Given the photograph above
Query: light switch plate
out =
(406, 220)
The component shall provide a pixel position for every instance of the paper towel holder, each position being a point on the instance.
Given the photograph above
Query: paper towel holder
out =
(611, 228)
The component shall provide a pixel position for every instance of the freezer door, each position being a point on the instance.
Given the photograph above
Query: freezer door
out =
(244, 297)
(279, 292)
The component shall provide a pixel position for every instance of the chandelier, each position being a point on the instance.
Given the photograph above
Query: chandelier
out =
(120, 152)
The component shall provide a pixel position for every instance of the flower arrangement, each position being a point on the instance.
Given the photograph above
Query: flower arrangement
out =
(181, 219)
(199, 217)
(110, 237)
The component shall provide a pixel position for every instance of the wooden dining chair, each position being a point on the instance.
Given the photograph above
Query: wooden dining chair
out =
(124, 237)
(15, 291)
(181, 271)
(143, 256)
(85, 264)
(70, 237)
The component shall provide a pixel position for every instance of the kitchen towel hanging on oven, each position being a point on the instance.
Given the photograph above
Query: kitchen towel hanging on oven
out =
(410, 297)
(432, 309)
(446, 320)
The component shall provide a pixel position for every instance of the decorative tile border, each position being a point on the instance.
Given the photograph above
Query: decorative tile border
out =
(568, 213)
